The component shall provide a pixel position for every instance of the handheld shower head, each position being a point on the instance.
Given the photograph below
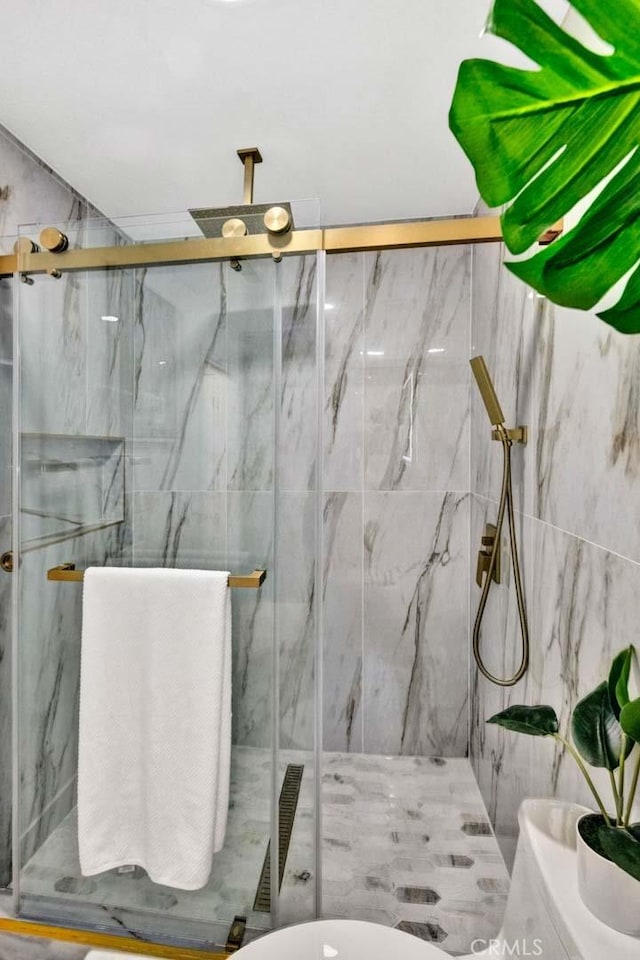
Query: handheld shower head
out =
(487, 390)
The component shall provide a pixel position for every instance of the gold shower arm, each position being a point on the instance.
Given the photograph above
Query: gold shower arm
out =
(66, 572)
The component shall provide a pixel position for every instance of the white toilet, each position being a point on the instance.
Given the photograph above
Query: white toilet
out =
(544, 917)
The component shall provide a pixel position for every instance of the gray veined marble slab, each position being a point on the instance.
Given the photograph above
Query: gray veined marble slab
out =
(502, 761)
(69, 484)
(582, 604)
(506, 331)
(110, 358)
(6, 320)
(75, 360)
(298, 403)
(180, 530)
(416, 623)
(251, 298)
(344, 372)
(416, 347)
(588, 426)
(53, 333)
(585, 607)
(296, 599)
(250, 543)
(48, 680)
(343, 640)
(181, 379)
(55, 398)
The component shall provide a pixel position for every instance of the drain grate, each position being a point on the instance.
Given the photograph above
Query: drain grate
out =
(287, 806)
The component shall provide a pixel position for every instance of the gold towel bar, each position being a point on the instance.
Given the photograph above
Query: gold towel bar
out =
(67, 572)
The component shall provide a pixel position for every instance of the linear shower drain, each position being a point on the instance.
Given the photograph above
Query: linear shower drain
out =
(287, 806)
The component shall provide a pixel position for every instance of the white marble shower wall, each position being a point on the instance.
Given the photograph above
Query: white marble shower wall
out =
(204, 462)
(396, 482)
(574, 382)
(396, 502)
(33, 193)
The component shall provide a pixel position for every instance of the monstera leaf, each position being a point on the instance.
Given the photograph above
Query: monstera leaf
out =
(541, 140)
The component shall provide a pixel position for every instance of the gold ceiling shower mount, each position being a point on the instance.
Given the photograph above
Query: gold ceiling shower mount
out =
(248, 219)
(249, 156)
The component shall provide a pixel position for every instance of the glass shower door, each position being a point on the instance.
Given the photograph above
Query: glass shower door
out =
(151, 410)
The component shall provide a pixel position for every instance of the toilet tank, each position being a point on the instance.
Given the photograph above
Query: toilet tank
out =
(532, 926)
(545, 916)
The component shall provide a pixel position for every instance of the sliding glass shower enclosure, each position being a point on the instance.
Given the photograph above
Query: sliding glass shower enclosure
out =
(167, 416)
(176, 406)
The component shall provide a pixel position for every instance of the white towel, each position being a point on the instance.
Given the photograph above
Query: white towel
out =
(155, 722)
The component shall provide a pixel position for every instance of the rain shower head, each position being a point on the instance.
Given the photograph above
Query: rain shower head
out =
(247, 218)
(487, 390)
(212, 220)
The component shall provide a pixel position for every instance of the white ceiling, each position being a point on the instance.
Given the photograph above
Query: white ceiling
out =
(141, 104)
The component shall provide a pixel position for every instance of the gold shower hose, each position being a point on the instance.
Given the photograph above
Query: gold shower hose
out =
(506, 502)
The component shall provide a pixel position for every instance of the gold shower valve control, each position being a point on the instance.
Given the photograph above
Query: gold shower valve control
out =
(489, 544)
(54, 240)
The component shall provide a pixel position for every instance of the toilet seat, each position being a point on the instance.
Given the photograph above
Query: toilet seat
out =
(340, 940)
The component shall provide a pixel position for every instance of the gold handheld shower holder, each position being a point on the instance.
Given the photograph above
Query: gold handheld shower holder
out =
(516, 435)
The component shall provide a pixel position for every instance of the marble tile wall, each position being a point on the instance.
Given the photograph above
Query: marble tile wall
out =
(396, 458)
(76, 416)
(204, 461)
(35, 194)
(573, 380)
(186, 377)
(396, 502)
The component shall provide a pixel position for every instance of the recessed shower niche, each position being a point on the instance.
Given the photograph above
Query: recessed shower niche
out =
(71, 485)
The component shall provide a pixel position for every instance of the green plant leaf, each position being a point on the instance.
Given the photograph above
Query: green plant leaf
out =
(622, 848)
(535, 721)
(619, 680)
(596, 731)
(630, 720)
(542, 140)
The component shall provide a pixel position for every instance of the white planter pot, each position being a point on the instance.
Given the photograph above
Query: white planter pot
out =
(612, 895)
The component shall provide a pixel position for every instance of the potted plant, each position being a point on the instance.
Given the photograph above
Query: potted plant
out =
(605, 728)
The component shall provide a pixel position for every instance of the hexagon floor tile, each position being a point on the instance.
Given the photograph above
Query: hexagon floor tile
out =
(406, 843)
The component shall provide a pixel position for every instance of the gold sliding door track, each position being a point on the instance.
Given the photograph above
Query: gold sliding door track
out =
(377, 236)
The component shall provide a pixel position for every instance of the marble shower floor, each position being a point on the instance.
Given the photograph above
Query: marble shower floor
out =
(406, 842)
